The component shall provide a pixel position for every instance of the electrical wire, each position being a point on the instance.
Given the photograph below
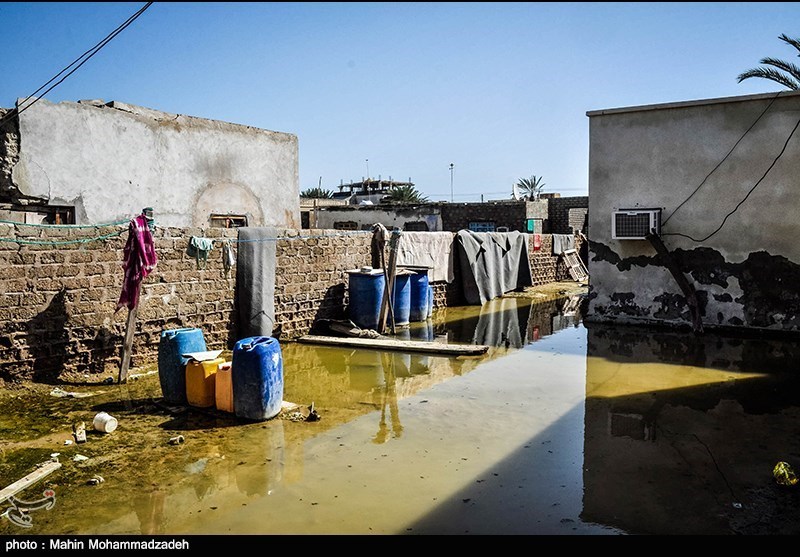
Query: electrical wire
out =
(83, 58)
(774, 162)
(664, 222)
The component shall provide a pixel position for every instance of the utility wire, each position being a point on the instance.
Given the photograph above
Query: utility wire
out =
(664, 222)
(786, 143)
(83, 58)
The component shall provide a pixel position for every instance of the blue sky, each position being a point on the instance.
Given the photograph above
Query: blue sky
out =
(500, 90)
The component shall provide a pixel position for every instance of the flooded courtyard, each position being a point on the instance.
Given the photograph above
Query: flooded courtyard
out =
(561, 428)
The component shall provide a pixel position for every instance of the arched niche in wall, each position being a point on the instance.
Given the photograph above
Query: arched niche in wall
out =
(226, 198)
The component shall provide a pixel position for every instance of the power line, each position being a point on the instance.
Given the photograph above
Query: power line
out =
(83, 58)
(723, 159)
(774, 162)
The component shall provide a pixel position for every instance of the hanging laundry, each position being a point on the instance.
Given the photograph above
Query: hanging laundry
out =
(199, 248)
(537, 242)
(228, 258)
(139, 260)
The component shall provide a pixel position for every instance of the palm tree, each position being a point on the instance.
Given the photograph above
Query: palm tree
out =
(317, 193)
(787, 74)
(406, 193)
(530, 187)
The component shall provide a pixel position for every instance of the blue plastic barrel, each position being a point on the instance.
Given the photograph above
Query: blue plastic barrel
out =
(401, 299)
(365, 291)
(172, 366)
(257, 378)
(419, 297)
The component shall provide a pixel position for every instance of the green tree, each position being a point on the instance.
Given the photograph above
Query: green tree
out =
(317, 193)
(406, 193)
(530, 187)
(779, 71)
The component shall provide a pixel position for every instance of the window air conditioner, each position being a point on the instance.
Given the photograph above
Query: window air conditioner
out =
(634, 224)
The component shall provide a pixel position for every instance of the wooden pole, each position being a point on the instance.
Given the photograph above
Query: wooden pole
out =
(127, 345)
(389, 271)
(44, 470)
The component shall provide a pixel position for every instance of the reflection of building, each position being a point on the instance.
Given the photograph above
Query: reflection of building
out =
(680, 429)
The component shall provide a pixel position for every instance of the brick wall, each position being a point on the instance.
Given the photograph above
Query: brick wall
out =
(511, 214)
(58, 297)
(562, 219)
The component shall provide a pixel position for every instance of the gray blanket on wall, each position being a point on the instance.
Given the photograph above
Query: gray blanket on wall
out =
(492, 263)
(255, 281)
(562, 243)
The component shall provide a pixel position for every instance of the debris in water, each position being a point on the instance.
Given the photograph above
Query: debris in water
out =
(79, 432)
(313, 416)
(69, 394)
(95, 480)
(108, 380)
(737, 505)
(784, 474)
(176, 440)
(79, 458)
(68, 441)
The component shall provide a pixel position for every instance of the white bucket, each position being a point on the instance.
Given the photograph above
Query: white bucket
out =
(104, 422)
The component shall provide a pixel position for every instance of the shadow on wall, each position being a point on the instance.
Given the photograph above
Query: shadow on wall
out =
(47, 339)
(333, 303)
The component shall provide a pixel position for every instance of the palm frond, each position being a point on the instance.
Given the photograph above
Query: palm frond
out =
(793, 42)
(772, 75)
(792, 69)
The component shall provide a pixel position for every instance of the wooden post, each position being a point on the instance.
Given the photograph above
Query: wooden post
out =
(389, 271)
(44, 470)
(127, 345)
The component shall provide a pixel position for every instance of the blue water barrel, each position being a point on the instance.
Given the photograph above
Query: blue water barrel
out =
(401, 300)
(365, 291)
(419, 296)
(172, 366)
(257, 378)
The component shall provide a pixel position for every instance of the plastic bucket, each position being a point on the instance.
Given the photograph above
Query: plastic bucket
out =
(172, 366)
(401, 299)
(418, 304)
(257, 377)
(365, 290)
(104, 422)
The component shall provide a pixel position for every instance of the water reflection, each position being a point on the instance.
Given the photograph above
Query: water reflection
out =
(682, 431)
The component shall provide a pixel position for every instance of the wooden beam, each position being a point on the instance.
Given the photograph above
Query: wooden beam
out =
(44, 470)
(127, 345)
(389, 273)
(441, 349)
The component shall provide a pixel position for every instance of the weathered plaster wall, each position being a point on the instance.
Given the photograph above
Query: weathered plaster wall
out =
(110, 161)
(746, 274)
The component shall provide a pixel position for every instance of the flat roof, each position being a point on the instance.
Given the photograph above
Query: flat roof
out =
(684, 104)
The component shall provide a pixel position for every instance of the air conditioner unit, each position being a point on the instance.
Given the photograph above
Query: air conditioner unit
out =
(635, 224)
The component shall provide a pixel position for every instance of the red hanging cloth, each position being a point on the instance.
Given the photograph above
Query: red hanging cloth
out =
(139, 260)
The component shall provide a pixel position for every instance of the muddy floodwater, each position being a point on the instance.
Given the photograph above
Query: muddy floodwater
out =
(562, 428)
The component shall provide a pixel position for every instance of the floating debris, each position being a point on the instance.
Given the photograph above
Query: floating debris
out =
(69, 394)
(68, 441)
(108, 380)
(784, 474)
(176, 440)
(79, 458)
(79, 432)
(96, 480)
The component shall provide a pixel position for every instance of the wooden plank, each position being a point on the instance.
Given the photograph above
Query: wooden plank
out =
(44, 470)
(127, 345)
(401, 345)
(389, 271)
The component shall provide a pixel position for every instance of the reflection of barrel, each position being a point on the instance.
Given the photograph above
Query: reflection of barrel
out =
(172, 366)
(366, 294)
(366, 370)
(419, 296)
(402, 299)
(257, 377)
(201, 382)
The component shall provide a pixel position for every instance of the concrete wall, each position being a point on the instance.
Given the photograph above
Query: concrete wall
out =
(391, 217)
(110, 161)
(568, 214)
(746, 274)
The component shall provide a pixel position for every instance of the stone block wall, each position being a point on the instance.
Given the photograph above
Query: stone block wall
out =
(511, 214)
